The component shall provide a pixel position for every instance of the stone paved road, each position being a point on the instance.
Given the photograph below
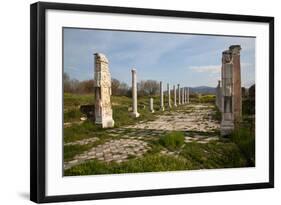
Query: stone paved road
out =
(132, 141)
(186, 118)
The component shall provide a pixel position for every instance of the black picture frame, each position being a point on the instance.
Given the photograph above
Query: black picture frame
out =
(37, 101)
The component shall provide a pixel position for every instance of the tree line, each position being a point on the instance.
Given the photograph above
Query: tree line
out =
(145, 87)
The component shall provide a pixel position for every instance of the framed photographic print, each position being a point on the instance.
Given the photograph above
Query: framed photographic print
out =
(129, 102)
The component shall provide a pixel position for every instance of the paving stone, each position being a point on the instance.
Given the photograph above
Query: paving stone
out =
(99, 154)
(73, 161)
(114, 150)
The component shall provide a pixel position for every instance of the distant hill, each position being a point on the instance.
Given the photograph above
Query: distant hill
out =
(203, 90)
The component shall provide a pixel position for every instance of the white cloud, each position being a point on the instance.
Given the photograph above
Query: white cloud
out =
(206, 68)
(213, 68)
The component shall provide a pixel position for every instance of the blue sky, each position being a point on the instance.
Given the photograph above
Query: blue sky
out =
(191, 60)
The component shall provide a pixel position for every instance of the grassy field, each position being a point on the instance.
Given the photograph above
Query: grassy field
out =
(190, 156)
(235, 151)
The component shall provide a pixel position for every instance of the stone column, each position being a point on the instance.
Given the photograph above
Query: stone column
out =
(231, 101)
(218, 95)
(151, 105)
(134, 94)
(102, 90)
(169, 95)
(187, 95)
(161, 97)
(237, 91)
(182, 95)
(179, 94)
(175, 96)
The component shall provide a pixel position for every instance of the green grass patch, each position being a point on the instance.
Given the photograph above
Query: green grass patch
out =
(213, 155)
(172, 140)
(72, 114)
(71, 150)
(82, 131)
(245, 140)
(71, 100)
(193, 156)
(149, 163)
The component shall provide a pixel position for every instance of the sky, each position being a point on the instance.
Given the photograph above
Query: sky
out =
(188, 59)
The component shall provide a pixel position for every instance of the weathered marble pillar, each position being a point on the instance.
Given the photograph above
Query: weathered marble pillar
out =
(151, 105)
(179, 94)
(237, 91)
(182, 95)
(102, 90)
(161, 97)
(175, 96)
(134, 94)
(187, 95)
(218, 95)
(231, 104)
(169, 95)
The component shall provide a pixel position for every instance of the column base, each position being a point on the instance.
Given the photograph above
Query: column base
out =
(105, 123)
(135, 114)
(227, 127)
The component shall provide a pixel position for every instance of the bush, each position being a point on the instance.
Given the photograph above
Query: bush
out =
(245, 140)
(172, 140)
(217, 114)
(207, 99)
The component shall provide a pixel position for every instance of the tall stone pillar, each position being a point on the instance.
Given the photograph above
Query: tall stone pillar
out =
(161, 97)
(179, 94)
(102, 90)
(182, 95)
(169, 95)
(134, 94)
(151, 105)
(218, 95)
(231, 104)
(237, 91)
(187, 95)
(175, 96)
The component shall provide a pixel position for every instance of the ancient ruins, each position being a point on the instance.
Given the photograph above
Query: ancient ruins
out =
(179, 95)
(102, 89)
(231, 101)
(151, 105)
(197, 121)
(175, 96)
(169, 96)
(134, 94)
(218, 95)
(187, 94)
(228, 92)
(161, 97)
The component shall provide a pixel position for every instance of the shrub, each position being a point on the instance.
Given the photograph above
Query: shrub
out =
(207, 99)
(217, 114)
(172, 140)
(245, 140)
